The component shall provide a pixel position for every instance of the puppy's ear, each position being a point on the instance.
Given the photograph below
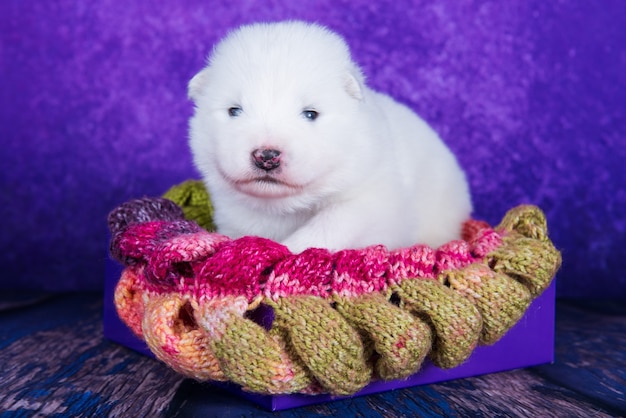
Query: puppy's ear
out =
(197, 84)
(354, 85)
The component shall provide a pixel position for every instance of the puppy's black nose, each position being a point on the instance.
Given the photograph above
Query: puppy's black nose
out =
(266, 159)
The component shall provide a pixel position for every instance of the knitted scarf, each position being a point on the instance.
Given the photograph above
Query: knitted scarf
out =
(251, 312)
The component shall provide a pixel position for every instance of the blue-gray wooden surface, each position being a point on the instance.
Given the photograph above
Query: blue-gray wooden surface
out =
(54, 362)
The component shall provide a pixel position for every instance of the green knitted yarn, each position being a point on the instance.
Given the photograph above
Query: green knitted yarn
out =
(264, 368)
(527, 220)
(324, 340)
(527, 254)
(400, 339)
(532, 262)
(194, 200)
(455, 320)
(501, 300)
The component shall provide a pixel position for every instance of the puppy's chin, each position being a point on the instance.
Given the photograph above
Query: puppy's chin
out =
(266, 187)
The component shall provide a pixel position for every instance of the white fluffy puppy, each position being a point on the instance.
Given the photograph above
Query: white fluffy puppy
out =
(293, 146)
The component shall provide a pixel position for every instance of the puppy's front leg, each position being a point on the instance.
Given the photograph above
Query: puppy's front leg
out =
(330, 229)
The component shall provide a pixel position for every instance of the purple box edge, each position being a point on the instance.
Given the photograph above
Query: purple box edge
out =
(530, 342)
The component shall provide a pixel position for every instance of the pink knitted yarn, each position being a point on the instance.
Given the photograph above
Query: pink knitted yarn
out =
(181, 257)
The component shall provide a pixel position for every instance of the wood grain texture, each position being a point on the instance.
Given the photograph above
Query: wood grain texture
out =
(55, 362)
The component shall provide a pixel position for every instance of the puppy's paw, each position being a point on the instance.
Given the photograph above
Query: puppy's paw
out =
(307, 238)
(297, 245)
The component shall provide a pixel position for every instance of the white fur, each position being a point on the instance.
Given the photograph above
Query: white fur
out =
(366, 171)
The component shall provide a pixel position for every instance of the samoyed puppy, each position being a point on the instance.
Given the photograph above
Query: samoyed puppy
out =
(293, 146)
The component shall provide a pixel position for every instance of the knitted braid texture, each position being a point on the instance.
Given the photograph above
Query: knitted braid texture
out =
(340, 319)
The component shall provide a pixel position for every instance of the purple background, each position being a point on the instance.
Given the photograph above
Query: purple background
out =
(530, 94)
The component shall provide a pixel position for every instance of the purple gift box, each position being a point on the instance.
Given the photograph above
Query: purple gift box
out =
(530, 342)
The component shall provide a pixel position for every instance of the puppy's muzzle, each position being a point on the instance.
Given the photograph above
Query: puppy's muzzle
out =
(266, 159)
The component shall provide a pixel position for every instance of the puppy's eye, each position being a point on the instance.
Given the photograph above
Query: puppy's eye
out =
(310, 114)
(234, 111)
